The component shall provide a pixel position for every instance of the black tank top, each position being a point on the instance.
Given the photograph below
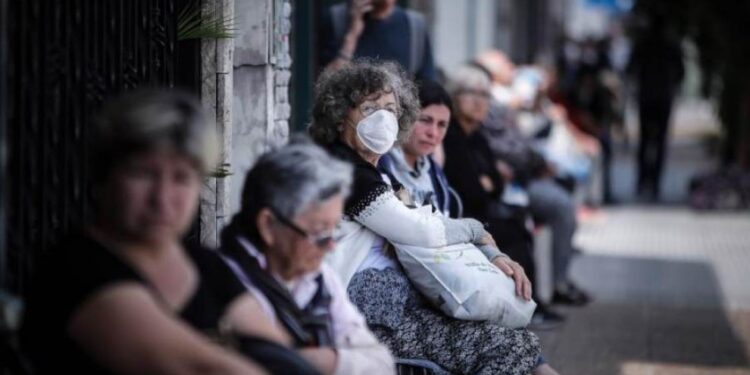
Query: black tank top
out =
(79, 267)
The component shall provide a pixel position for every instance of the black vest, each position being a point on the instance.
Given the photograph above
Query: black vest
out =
(310, 326)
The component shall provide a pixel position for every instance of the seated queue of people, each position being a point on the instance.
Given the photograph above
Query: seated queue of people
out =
(361, 111)
(124, 295)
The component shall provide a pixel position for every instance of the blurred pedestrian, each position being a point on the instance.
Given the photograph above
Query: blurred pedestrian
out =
(657, 69)
(378, 29)
(548, 201)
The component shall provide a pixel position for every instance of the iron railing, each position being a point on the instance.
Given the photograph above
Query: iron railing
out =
(65, 59)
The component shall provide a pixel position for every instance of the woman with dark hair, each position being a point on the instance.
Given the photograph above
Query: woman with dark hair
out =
(124, 295)
(360, 112)
(411, 164)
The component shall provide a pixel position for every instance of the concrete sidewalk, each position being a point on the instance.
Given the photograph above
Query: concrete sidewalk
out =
(672, 285)
(672, 291)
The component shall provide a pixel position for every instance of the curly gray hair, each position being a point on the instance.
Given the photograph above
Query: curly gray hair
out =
(339, 91)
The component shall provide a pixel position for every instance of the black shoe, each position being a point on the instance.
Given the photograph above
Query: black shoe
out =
(545, 319)
(571, 295)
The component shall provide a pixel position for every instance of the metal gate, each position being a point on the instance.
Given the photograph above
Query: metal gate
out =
(65, 59)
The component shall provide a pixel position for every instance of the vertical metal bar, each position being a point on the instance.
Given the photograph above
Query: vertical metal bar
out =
(3, 106)
(305, 63)
(58, 61)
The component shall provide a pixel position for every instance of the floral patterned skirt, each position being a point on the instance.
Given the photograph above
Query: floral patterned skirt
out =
(403, 320)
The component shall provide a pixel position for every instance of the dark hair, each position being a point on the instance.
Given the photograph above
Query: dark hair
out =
(433, 93)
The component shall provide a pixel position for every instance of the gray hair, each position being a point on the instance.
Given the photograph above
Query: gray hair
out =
(467, 77)
(339, 91)
(150, 120)
(289, 180)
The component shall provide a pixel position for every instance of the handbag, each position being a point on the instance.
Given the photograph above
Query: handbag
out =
(462, 283)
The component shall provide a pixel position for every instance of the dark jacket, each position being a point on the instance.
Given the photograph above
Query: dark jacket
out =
(402, 37)
(467, 157)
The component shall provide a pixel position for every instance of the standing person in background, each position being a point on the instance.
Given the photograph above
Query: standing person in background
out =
(592, 104)
(378, 29)
(657, 69)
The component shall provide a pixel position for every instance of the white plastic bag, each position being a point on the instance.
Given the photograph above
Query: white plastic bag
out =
(460, 281)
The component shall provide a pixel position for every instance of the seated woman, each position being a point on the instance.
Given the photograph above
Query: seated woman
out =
(549, 188)
(473, 169)
(291, 206)
(359, 113)
(411, 164)
(123, 295)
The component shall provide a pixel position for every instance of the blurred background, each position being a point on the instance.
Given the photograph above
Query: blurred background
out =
(666, 260)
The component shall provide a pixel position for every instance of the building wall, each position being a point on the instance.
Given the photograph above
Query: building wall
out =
(216, 91)
(525, 29)
(260, 102)
(461, 29)
(250, 98)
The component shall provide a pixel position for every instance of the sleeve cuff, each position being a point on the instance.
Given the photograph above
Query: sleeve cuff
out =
(491, 252)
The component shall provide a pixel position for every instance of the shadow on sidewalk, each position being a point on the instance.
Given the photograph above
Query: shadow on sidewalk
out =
(646, 311)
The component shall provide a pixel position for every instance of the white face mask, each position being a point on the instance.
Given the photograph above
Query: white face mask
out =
(378, 131)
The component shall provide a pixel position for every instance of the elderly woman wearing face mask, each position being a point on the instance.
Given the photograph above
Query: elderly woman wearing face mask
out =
(124, 295)
(292, 203)
(359, 113)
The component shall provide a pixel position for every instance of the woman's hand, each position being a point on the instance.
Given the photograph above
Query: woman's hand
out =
(486, 182)
(357, 11)
(506, 171)
(514, 270)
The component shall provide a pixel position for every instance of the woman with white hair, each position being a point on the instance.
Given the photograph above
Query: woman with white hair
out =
(359, 114)
(292, 202)
(521, 165)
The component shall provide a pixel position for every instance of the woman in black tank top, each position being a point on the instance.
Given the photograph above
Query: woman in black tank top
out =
(124, 295)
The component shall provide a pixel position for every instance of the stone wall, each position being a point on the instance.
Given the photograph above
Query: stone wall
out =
(246, 83)
(216, 94)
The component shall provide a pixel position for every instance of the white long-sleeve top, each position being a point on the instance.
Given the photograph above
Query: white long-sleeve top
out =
(373, 214)
(357, 349)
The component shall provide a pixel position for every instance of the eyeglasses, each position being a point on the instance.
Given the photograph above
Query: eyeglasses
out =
(320, 240)
(368, 108)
